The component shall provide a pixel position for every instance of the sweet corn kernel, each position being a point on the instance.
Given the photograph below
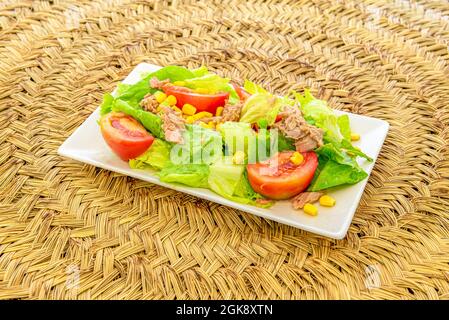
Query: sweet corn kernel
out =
(171, 100)
(327, 201)
(202, 91)
(179, 83)
(310, 209)
(217, 126)
(219, 111)
(188, 109)
(203, 125)
(297, 158)
(160, 96)
(190, 120)
(238, 157)
(202, 114)
(211, 125)
(355, 137)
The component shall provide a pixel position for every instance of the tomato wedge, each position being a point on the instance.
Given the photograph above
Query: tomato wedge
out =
(242, 93)
(278, 178)
(125, 135)
(202, 102)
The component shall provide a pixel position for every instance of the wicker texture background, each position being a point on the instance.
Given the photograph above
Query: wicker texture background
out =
(73, 231)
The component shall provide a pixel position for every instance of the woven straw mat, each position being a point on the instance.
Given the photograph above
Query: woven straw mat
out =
(72, 231)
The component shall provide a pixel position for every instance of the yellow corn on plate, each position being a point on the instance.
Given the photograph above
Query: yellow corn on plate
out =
(219, 111)
(355, 137)
(179, 83)
(202, 114)
(188, 109)
(205, 125)
(310, 209)
(190, 120)
(327, 201)
(160, 96)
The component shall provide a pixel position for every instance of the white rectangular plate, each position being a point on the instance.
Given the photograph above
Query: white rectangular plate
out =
(86, 144)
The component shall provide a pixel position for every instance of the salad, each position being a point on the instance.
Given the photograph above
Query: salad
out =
(196, 128)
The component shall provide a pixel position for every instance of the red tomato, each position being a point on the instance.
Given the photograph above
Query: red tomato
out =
(202, 102)
(125, 135)
(282, 180)
(243, 94)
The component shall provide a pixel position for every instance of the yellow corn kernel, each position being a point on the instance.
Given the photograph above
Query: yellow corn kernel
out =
(190, 119)
(238, 157)
(171, 100)
(202, 114)
(160, 96)
(297, 158)
(310, 209)
(203, 125)
(179, 83)
(219, 111)
(217, 126)
(355, 136)
(327, 201)
(188, 109)
(202, 91)
(211, 125)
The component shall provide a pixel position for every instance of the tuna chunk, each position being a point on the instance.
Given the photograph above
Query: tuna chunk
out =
(305, 197)
(293, 126)
(173, 126)
(158, 84)
(232, 112)
(149, 103)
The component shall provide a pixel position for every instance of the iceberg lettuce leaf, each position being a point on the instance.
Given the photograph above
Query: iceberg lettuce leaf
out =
(260, 106)
(156, 157)
(253, 88)
(193, 175)
(229, 181)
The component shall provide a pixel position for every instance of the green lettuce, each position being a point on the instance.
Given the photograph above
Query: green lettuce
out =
(260, 106)
(199, 72)
(331, 174)
(345, 127)
(149, 120)
(253, 88)
(106, 104)
(193, 175)
(156, 157)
